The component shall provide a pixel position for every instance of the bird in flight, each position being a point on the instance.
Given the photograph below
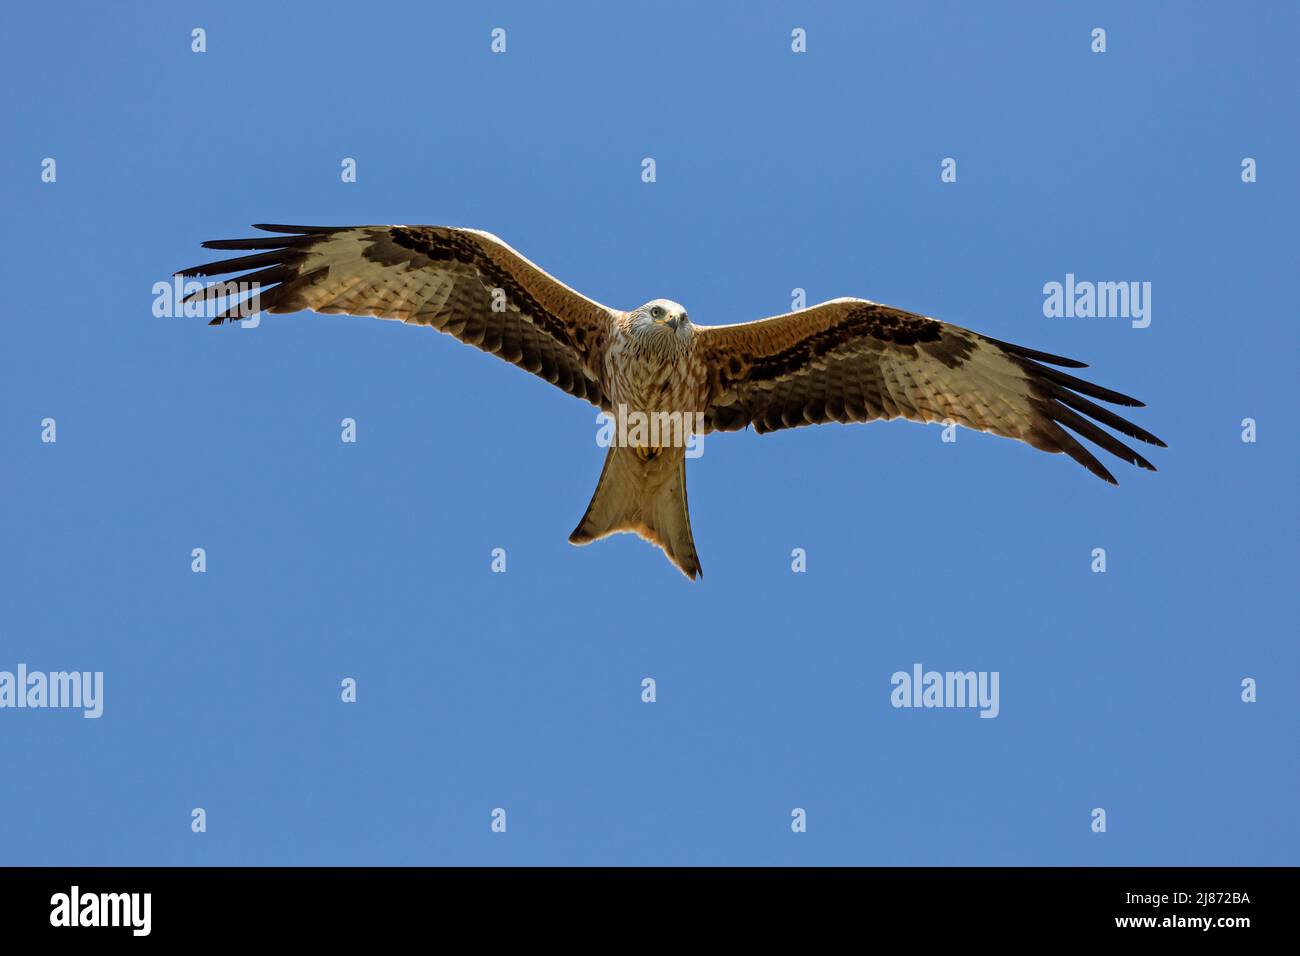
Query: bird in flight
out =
(846, 360)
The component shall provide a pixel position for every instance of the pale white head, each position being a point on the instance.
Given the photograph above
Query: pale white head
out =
(661, 322)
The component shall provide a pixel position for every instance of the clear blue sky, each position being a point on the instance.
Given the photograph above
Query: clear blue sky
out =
(523, 691)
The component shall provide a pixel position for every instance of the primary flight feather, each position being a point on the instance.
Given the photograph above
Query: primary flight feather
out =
(847, 360)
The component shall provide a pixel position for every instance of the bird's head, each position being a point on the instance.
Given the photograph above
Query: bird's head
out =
(661, 319)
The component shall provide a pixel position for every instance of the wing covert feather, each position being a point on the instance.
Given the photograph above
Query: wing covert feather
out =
(463, 282)
(850, 360)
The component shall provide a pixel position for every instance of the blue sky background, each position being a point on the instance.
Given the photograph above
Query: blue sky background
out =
(522, 690)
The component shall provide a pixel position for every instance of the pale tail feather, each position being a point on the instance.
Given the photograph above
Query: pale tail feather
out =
(645, 496)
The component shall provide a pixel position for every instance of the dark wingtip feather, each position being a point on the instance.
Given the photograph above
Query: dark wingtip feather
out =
(1090, 430)
(1103, 415)
(1097, 468)
(1105, 475)
(238, 264)
(1036, 355)
(262, 242)
(303, 230)
(1087, 388)
(1067, 443)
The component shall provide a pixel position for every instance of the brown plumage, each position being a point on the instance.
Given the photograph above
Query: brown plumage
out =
(848, 360)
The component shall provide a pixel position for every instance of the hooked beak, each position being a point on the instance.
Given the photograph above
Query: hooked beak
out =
(672, 323)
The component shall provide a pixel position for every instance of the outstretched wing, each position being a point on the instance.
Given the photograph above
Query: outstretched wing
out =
(850, 360)
(460, 281)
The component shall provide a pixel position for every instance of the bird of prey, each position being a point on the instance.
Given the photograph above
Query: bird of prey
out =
(846, 360)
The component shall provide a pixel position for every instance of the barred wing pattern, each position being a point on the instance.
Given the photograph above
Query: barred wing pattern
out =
(850, 360)
(464, 282)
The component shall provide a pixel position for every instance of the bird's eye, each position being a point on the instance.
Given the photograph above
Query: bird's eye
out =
(656, 313)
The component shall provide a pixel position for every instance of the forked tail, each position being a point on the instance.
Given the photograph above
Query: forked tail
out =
(643, 491)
